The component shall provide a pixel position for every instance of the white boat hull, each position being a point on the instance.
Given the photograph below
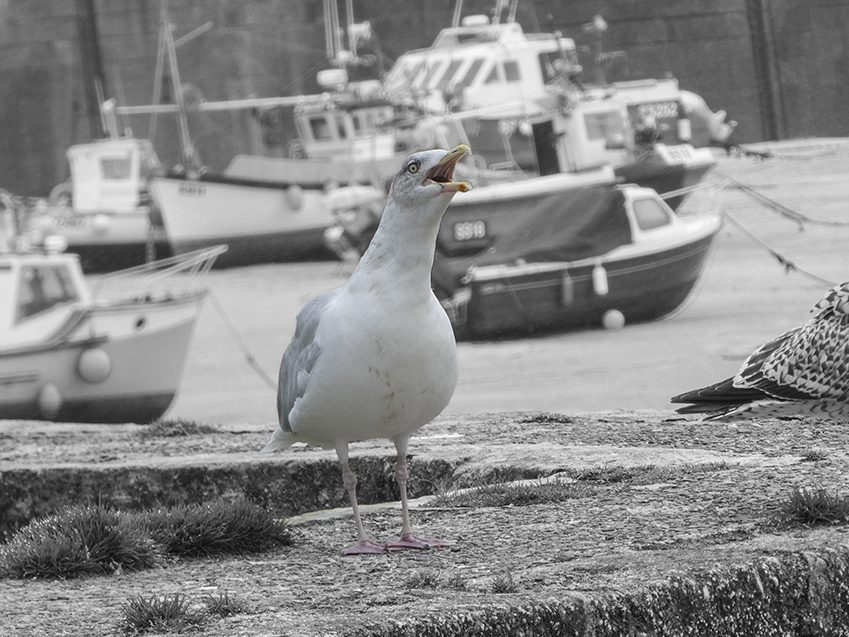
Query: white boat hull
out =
(260, 222)
(146, 350)
(105, 241)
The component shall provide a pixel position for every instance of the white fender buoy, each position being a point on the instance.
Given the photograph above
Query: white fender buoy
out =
(295, 197)
(93, 365)
(613, 320)
(49, 401)
(600, 285)
(567, 289)
(685, 130)
(101, 224)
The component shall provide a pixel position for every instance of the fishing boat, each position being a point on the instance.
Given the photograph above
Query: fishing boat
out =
(104, 211)
(481, 61)
(273, 209)
(606, 256)
(511, 90)
(111, 353)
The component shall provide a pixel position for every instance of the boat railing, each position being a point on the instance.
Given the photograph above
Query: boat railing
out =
(173, 277)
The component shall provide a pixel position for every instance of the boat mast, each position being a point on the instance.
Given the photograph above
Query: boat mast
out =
(190, 156)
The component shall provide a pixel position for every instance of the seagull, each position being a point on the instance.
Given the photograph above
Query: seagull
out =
(805, 371)
(377, 357)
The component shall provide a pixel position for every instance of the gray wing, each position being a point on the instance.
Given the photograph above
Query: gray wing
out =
(300, 357)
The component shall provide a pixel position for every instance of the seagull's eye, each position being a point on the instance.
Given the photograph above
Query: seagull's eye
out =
(413, 167)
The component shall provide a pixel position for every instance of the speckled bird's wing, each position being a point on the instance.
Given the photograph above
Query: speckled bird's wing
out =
(809, 362)
(300, 357)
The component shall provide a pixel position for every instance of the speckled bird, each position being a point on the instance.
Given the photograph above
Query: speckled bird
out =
(805, 372)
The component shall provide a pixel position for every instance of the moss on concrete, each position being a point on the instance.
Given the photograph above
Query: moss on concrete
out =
(794, 594)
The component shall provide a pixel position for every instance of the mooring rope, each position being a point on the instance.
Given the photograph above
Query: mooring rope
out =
(780, 208)
(238, 339)
(784, 261)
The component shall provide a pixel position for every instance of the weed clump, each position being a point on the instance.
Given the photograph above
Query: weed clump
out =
(222, 605)
(422, 579)
(216, 528)
(814, 507)
(161, 614)
(174, 428)
(79, 540)
(96, 539)
(500, 495)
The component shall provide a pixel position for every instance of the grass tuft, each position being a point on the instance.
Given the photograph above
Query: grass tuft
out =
(456, 582)
(422, 579)
(547, 417)
(813, 507)
(215, 528)
(222, 605)
(79, 540)
(814, 455)
(504, 584)
(499, 495)
(87, 539)
(160, 614)
(173, 428)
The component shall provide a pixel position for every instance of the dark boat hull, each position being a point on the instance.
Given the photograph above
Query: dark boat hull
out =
(108, 257)
(642, 288)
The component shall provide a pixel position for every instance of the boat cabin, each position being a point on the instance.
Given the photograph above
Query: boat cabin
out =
(648, 215)
(40, 292)
(354, 123)
(108, 175)
(482, 64)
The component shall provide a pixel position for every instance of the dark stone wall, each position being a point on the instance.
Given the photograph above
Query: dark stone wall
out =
(776, 66)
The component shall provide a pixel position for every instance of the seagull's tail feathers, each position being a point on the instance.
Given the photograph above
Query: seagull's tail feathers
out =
(717, 400)
(280, 440)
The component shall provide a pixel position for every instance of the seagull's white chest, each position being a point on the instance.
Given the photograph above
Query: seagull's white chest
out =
(386, 368)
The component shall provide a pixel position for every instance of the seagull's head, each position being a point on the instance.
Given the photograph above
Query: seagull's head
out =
(428, 176)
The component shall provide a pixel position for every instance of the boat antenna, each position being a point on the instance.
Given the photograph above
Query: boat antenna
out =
(458, 10)
(511, 16)
(332, 36)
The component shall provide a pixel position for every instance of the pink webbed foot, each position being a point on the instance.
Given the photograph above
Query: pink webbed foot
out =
(365, 546)
(410, 541)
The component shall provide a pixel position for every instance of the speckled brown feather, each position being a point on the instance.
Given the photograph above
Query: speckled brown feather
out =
(803, 371)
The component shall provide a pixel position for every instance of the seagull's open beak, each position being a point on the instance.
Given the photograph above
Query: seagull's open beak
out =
(443, 172)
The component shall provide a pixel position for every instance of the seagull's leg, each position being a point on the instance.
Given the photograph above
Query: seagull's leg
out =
(407, 539)
(364, 543)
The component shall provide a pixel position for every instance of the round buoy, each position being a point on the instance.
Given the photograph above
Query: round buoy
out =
(295, 196)
(101, 224)
(49, 401)
(94, 365)
(613, 320)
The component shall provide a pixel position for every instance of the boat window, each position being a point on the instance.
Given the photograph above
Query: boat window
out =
(341, 130)
(449, 73)
(471, 72)
(43, 287)
(650, 214)
(432, 70)
(319, 128)
(511, 71)
(494, 75)
(411, 73)
(607, 125)
(118, 168)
